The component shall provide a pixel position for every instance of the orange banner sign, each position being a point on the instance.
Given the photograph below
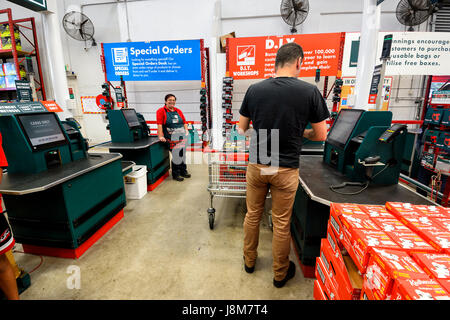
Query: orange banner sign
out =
(51, 106)
(254, 57)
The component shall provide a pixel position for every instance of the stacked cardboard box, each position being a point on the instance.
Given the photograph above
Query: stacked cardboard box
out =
(378, 252)
(5, 38)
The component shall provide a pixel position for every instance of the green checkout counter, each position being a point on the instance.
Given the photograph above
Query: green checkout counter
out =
(59, 198)
(130, 137)
(361, 164)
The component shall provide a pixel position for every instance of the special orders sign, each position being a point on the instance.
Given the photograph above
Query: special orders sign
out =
(153, 61)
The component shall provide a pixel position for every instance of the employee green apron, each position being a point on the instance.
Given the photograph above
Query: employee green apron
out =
(174, 130)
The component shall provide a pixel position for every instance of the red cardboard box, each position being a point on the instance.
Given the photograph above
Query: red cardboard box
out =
(387, 265)
(421, 289)
(440, 240)
(336, 210)
(375, 211)
(410, 242)
(318, 291)
(435, 265)
(395, 294)
(446, 211)
(390, 224)
(323, 277)
(400, 209)
(442, 223)
(355, 221)
(361, 243)
(342, 272)
(431, 211)
(445, 283)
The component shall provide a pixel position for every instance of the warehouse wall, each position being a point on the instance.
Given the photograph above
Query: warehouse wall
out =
(203, 19)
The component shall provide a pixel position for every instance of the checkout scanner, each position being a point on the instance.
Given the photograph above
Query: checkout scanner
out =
(126, 125)
(131, 137)
(365, 147)
(57, 195)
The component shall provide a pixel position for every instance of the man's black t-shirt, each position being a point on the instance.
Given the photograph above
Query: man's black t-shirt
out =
(286, 104)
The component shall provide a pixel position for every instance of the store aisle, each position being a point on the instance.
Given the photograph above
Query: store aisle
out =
(164, 249)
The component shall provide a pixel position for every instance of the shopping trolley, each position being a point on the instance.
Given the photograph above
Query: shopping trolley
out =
(226, 170)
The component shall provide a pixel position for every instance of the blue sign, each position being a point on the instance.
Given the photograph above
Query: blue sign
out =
(153, 61)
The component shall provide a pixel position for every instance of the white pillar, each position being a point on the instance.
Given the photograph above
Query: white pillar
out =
(55, 56)
(367, 58)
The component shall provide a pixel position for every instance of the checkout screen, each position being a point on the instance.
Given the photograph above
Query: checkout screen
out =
(131, 117)
(42, 129)
(343, 127)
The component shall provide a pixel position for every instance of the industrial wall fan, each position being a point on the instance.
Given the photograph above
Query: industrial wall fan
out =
(414, 12)
(294, 12)
(78, 26)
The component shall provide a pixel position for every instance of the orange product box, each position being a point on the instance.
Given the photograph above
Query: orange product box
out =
(446, 211)
(400, 209)
(421, 289)
(375, 211)
(355, 221)
(336, 210)
(335, 237)
(323, 277)
(387, 265)
(395, 294)
(390, 224)
(410, 242)
(430, 211)
(435, 265)
(318, 292)
(342, 271)
(445, 283)
(442, 223)
(366, 293)
(361, 243)
(440, 240)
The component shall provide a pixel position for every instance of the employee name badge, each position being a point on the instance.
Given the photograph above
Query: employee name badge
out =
(176, 118)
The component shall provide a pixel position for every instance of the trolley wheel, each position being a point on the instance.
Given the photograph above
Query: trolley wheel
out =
(211, 221)
(211, 216)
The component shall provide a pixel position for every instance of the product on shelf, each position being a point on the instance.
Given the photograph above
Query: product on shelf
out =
(9, 69)
(6, 43)
(336, 210)
(2, 82)
(5, 31)
(11, 81)
(390, 224)
(440, 240)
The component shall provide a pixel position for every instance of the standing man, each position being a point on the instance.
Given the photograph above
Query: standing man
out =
(280, 108)
(8, 282)
(172, 128)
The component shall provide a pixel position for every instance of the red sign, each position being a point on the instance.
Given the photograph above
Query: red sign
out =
(254, 57)
(52, 106)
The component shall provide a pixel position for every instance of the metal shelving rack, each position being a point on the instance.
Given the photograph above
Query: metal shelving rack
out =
(18, 55)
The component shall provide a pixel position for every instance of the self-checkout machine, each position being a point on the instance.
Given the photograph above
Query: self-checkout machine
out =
(130, 136)
(362, 160)
(59, 198)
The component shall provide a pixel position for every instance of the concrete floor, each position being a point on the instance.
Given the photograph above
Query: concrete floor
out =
(163, 249)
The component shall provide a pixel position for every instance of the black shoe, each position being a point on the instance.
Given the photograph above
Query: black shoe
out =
(290, 274)
(248, 269)
(178, 178)
(186, 175)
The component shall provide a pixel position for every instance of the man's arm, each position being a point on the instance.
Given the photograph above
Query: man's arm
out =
(243, 125)
(318, 131)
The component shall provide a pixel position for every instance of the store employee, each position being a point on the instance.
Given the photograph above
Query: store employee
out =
(8, 283)
(172, 128)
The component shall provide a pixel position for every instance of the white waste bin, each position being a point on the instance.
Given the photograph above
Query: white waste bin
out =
(136, 182)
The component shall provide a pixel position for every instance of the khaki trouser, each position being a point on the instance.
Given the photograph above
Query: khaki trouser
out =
(283, 183)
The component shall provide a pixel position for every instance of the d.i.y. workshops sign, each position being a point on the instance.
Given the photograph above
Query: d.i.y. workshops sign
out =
(153, 61)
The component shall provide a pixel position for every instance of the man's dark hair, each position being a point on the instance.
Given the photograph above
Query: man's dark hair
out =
(168, 96)
(288, 53)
